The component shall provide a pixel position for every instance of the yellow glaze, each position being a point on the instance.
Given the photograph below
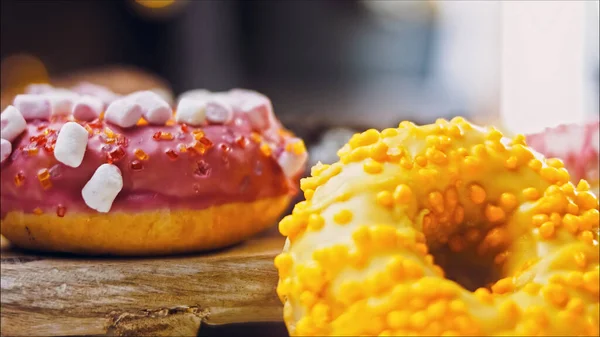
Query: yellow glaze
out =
(443, 229)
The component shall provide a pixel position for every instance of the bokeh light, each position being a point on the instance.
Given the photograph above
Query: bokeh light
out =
(155, 3)
(19, 70)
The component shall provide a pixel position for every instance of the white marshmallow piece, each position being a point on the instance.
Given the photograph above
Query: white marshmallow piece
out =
(87, 108)
(218, 109)
(71, 144)
(61, 102)
(5, 149)
(33, 106)
(123, 112)
(39, 88)
(292, 163)
(12, 123)
(191, 111)
(102, 189)
(154, 108)
(103, 93)
(196, 93)
(255, 106)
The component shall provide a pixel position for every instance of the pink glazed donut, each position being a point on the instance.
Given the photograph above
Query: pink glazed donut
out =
(100, 173)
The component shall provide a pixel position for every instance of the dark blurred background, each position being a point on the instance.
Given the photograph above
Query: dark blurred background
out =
(321, 60)
(323, 63)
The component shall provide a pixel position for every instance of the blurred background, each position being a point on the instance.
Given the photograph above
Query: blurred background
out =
(327, 63)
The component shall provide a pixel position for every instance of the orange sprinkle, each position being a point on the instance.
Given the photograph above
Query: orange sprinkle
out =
(379, 152)
(61, 210)
(315, 222)
(456, 243)
(266, 149)
(308, 194)
(494, 213)
(437, 201)
(501, 258)
(587, 237)
(531, 288)
(421, 160)
(479, 150)
(459, 215)
(508, 201)
(115, 155)
(572, 208)
(494, 134)
(44, 178)
(571, 223)
(538, 219)
(555, 294)
(402, 194)
(198, 147)
(406, 163)
(547, 230)
(140, 154)
(586, 200)
(19, 179)
(503, 286)
(32, 151)
(556, 219)
(531, 193)
(255, 137)
(298, 147)
(535, 164)
(478, 194)
(550, 174)
(198, 134)
(37, 211)
(372, 167)
(555, 162)
(136, 165)
(583, 186)
(385, 198)
(511, 162)
(166, 136)
(171, 154)
(472, 163)
(241, 141)
(206, 142)
(519, 139)
(108, 132)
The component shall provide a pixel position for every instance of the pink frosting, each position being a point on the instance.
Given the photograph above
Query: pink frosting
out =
(576, 145)
(227, 172)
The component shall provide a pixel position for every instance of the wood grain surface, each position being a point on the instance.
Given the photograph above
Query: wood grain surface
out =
(63, 295)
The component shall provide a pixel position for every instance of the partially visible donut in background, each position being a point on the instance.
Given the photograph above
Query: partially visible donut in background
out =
(577, 145)
(119, 79)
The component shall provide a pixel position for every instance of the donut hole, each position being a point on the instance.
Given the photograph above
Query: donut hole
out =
(472, 256)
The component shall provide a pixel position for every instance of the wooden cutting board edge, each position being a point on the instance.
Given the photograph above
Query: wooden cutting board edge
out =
(61, 295)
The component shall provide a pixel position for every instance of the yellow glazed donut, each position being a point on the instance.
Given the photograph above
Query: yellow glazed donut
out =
(443, 229)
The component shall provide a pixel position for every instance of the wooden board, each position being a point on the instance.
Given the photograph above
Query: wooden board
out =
(59, 295)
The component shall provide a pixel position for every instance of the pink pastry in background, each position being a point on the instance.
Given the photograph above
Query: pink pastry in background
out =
(577, 145)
